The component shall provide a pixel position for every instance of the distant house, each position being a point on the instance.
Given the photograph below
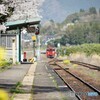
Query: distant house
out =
(66, 26)
(70, 24)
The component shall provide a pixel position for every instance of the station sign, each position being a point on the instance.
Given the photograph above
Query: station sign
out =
(34, 38)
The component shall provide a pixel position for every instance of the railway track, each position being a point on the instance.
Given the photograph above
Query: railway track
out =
(90, 66)
(82, 89)
(94, 67)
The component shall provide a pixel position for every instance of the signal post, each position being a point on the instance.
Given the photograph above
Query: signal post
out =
(34, 41)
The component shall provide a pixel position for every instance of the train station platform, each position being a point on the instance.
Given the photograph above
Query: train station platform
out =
(11, 76)
(39, 82)
(48, 86)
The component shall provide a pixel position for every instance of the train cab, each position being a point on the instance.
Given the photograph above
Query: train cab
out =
(50, 52)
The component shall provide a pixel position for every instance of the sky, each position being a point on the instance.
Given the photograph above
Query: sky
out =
(58, 10)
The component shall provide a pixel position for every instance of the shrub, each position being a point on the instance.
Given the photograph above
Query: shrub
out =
(88, 49)
(66, 61)
(4, 63)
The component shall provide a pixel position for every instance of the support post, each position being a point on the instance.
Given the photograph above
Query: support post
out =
(13, 50)
(38, 48)
(34, 48)
(18, 45)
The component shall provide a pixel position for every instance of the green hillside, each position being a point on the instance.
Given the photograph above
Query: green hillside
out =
(78, 28)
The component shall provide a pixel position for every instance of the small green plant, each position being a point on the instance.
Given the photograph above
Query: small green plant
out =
(4, 64)
(66, 61)
(17, 88)
(18, 84)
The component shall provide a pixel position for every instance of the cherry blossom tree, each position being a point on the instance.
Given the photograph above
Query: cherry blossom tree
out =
(5, 11)
(25, 9)
(19, 9)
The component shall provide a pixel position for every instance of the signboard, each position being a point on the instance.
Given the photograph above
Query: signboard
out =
(34, 38)
(58, 45)
(31, 29)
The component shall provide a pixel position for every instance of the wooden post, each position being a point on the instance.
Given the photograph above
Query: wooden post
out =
(34, 48)
(13, 50)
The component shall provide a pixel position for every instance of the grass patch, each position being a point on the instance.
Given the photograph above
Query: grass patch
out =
(17, 88)
(4, 64)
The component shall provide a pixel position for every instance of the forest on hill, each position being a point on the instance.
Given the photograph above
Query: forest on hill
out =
(78, 28)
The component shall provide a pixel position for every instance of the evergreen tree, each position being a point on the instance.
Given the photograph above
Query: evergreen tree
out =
(92, 10)
(82, 10)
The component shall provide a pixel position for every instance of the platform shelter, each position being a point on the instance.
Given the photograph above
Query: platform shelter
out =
(14, 33)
